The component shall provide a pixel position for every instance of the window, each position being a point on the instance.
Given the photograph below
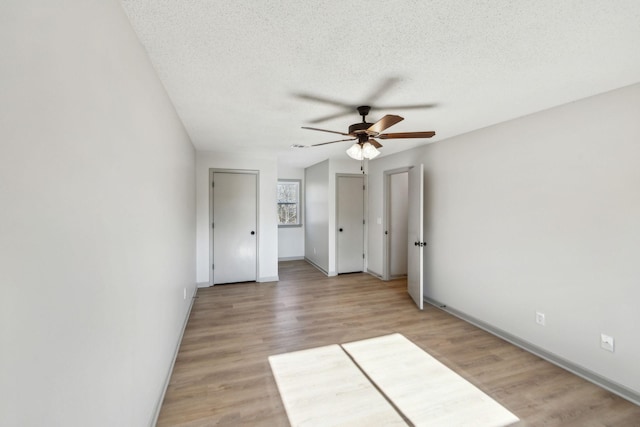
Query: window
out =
(289, 203)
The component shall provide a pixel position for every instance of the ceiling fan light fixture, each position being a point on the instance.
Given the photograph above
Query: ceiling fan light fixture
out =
(362, 151)
(369, 151)
(355, 152)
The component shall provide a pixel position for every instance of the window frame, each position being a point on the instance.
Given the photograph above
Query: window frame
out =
(298, 202)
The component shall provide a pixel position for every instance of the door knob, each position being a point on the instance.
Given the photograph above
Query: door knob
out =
(386, 232)
(253, 232)
(340, 230)
(415, 243)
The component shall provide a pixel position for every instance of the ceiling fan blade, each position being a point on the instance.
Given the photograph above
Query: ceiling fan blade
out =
(384, 123)
(332, 116)
(332, 142)
(382, 89)
(406, 135)
(315, 98)
(405, 107)
(325, 130)
(374, 143)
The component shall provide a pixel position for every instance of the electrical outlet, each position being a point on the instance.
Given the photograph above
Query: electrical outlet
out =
(606, 342)
(184, 295)
(540, 319)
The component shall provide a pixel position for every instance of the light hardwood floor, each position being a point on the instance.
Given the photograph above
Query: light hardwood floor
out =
(222, 376)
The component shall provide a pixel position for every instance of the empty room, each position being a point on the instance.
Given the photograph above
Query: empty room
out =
(332, 213)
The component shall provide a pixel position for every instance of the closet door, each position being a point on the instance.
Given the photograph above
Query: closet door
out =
(235, 235)
(350, 223)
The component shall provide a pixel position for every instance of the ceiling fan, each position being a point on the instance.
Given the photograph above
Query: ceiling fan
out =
(364, 133)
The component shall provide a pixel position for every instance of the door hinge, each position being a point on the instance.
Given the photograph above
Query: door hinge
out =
(212, 185)
(211, 225)
(363, 188)
(362, 256)
(363, 222)
(212, 266)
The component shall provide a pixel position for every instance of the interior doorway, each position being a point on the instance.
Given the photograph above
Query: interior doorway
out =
(395, 241)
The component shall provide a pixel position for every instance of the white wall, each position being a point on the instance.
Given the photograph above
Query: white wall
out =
(266, 164)
(541, 213)
(97, 219)
(291, 239)
(316, 213)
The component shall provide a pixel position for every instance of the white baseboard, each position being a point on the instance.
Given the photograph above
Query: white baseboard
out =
(203, 284)
(291, 258)
(374, 274)
(316, 265)
(612, 386)
(268, 279)
(173, 360)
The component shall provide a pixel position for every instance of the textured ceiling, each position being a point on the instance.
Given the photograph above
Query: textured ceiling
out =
(241, 73)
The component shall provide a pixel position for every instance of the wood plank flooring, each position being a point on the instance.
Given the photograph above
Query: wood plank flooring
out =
(222, 376)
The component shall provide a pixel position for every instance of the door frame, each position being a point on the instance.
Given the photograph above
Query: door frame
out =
(211, 188)
(386, 218)
(364, 213)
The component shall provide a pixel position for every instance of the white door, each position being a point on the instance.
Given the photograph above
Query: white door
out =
(350, 223)
(415, 235)
(234, 219)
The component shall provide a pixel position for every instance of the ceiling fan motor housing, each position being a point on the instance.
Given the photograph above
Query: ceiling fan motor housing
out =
(357, 128)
